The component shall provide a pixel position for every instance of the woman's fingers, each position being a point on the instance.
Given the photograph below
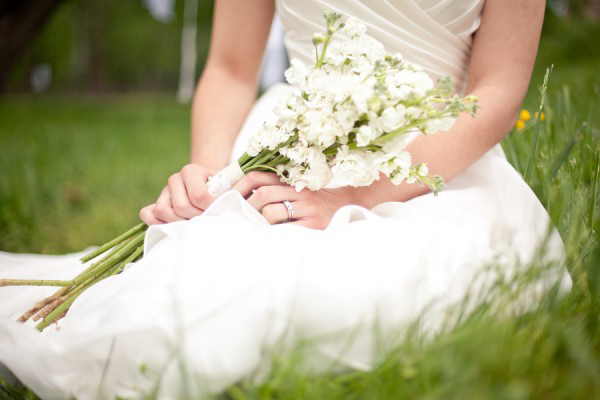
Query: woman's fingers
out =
(267, 195)
(147, 215)
(272, 194)
(163, 208)
(277, 213)
(194, 179)
(180, 200)
(185, 196)
(255, 180)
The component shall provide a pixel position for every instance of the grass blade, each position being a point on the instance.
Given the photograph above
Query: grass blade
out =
(536, 132)
(564, 154)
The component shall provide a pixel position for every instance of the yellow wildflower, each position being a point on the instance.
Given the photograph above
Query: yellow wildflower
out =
(520, 124)
(524, 115)
(542, 116)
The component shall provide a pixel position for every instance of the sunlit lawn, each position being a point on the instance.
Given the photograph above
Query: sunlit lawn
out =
(74, 170)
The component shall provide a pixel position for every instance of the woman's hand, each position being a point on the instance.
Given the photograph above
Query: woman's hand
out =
(312, 209)
(184, 197)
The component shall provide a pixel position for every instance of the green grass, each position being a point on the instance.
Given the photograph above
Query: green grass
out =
(75, 170)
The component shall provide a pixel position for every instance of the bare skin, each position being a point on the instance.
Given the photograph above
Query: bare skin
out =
(502, 59)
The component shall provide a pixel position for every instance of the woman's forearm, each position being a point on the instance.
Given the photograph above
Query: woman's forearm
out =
(449, 153)
(228, 85)
(502, 58)
(221, 102)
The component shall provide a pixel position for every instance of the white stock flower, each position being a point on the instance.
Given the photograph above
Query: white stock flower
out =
(362, 67)
(422, 170)
(438, 124)
(364, 135)
(270, 136)
(401, 175)
(298, 152)
(296, 73)
(422, 83)
(362, 93)
(253, 147)
(396, 144)
(345, 118)
(393, 161)
(414, 112)
(318, 128)
(396, 89)
(256, 141)
(335, 55)
(365, 46)
(315, 177)
(407, 83)
(353, 27)
(354, 168)
(391, 118)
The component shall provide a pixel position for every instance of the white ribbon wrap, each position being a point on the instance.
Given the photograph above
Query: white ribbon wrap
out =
(223, 180)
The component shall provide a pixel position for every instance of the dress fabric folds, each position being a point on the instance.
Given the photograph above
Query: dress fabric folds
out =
(215, 298)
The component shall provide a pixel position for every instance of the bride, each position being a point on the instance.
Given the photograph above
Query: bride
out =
(231, 281)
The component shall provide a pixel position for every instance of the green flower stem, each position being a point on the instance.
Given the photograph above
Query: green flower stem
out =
(392, 134)
(113, 268)
(114, 242)
(244, 159)
(369, 147)
(34, 282)
(73, 290)
(258, 167)
(128, 249)
(280, 159)
(255, 159)
(263, 157)
(331, 150)
(122, 251)
(133, 257)
(324, 49)
(316, 53)
(67, 284)
(330, 21)
(100, 264)
(258, 160)
(42, 303)
(64, 304)
(62, 308)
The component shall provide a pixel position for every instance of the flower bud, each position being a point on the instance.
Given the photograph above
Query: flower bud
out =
(318, 38)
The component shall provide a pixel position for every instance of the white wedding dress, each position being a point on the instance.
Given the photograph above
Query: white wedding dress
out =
(216, 298)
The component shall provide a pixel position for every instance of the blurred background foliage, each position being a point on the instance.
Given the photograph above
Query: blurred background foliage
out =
(108, 46)
(116, 45)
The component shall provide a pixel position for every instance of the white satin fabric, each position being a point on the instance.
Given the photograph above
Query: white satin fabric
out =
(435, 34)
(215, 298)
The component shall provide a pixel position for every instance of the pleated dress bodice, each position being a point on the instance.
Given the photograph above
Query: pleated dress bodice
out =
(434, 34)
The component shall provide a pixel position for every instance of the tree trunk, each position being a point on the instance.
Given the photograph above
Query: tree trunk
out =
(20, 21)
(187, 67)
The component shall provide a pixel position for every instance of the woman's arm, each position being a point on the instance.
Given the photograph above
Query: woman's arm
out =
(227, 88)
(502, 59)
(225, 94)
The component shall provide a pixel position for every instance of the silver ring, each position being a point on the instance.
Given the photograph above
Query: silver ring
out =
(290, 209)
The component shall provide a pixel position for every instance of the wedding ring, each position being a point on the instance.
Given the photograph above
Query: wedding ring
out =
(290, 209)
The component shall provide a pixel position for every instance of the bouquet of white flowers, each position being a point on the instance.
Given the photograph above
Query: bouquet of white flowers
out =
(346, 123)
(349, 117)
